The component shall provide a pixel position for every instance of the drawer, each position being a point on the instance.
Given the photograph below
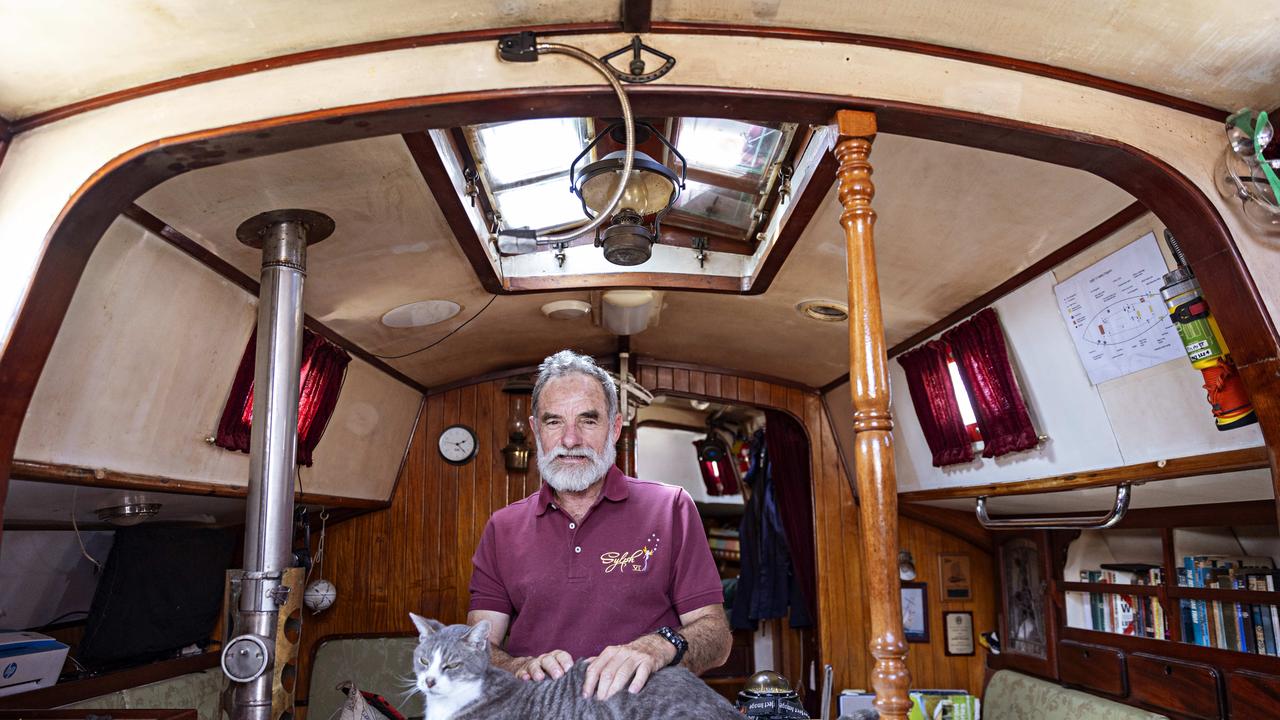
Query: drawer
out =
(1092, 666)
(1181, 687)
(1253, 696)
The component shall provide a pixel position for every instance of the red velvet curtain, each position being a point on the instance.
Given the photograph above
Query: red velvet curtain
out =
(980, 352)
(933, 396)
(323, 369)
(788, 452)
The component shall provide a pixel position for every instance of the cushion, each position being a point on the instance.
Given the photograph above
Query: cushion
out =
(1014, 696)
(382, 665)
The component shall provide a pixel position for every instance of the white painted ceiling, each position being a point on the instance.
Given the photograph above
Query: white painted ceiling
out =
(57, 53)
(975, 217)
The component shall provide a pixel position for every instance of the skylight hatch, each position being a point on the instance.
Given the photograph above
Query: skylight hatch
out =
(733, 173)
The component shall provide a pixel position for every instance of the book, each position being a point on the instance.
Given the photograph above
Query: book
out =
(943, 705)
(1259, 634)
(1228, 615)
(1131, 571)
(1275, 613)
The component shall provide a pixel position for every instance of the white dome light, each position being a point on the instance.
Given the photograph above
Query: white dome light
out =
(420, 314)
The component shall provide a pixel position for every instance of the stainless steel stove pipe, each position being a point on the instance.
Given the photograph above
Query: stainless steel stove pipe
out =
(249, 657)
(273, 442)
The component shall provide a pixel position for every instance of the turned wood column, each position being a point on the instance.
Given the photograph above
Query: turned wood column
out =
(626, 461)
(875, 483)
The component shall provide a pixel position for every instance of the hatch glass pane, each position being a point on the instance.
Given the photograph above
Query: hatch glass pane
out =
(520, 151)
(716, 205)
(728, 146)
(542, 205)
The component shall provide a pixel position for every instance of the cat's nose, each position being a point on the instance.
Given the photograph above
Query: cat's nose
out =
(431, 682)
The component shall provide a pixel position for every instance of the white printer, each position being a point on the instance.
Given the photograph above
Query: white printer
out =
(29, 661)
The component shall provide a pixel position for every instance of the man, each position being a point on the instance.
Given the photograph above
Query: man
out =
(595, 564)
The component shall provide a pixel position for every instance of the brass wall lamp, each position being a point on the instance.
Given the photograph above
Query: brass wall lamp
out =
(515, 455)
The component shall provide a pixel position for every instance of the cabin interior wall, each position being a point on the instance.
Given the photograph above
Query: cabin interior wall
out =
(415, 556)
(142, 365)
(1150, 415)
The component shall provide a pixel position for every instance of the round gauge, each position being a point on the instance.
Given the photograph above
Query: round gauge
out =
(457, 444)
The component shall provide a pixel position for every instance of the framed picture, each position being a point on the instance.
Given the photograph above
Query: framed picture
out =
(953, 572)
(958, 627)
(915, 612)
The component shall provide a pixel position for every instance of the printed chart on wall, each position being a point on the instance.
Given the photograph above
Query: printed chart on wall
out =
(1115, 314)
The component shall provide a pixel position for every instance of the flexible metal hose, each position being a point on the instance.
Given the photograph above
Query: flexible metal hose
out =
(628, 122)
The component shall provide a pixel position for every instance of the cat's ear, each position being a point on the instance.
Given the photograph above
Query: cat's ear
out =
(425, 627)
(478, 635)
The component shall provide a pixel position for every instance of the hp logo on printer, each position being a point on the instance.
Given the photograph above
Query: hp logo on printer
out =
(10, 669)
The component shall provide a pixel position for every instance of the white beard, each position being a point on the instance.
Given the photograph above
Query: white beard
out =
(575, 478)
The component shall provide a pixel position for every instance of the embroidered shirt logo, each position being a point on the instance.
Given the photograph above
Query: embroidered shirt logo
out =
(636, 561)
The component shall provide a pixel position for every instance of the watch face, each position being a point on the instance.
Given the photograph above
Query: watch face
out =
(457, 444)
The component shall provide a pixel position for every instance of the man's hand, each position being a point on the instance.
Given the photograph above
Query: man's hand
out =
(555, 663)
(618, 665)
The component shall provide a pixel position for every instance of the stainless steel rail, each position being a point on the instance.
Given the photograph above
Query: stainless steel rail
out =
(1086, 522)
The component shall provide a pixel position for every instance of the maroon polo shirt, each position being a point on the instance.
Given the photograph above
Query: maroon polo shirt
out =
(637, 561)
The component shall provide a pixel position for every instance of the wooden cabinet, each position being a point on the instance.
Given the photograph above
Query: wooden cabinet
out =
(1028, 622)
(1181, 687)
(1253, 696)
(1094, 667)
(1156, 662)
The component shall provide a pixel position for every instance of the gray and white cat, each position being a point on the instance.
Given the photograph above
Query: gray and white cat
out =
(453, 673)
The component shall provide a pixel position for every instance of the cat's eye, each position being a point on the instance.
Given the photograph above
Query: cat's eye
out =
(422, 660)
(452, 666)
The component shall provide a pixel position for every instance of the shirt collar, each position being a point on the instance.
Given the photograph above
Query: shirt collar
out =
(615, 489)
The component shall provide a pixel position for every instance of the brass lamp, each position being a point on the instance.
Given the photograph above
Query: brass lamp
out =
(650, 191)
(515, 455)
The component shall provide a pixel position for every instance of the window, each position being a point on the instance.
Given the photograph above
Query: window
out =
(732, 167)
(962, 399)
(524, 166)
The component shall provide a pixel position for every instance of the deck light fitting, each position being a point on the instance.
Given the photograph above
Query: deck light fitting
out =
(128, 514)
(823, 310)
(627, 312)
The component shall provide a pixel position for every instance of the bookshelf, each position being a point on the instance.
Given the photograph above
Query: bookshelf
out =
(1154, 658)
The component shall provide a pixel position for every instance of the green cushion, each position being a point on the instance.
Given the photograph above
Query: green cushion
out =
(200, 691)
(382, 665)
(1014, 696)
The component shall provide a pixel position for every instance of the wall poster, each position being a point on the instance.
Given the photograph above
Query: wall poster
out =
(1115, 315)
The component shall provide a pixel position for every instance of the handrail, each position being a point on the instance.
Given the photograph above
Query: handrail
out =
(1088, 522)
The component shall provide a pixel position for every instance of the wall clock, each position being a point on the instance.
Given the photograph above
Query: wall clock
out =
(457, 444)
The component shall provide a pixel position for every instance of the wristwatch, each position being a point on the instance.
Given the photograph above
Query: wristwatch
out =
(676, 639)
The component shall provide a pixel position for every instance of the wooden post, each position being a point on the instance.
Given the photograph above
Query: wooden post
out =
(876, 486)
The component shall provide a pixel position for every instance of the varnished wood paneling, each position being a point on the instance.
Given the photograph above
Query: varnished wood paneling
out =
(929, 663)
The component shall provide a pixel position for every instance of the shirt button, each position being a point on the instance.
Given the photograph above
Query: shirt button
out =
(573, 526)
(578, 549)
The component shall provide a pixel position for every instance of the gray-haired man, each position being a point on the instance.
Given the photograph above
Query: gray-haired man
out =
(595, 564)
